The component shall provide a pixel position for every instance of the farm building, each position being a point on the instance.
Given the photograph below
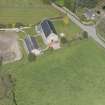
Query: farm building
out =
(47, 30)
(32, 46)
(89, 14)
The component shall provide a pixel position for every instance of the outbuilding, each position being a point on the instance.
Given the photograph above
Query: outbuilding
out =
(89, 14)
(31, 45)
(49, 35)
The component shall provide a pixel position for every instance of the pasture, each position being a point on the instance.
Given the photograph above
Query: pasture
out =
(73, 75)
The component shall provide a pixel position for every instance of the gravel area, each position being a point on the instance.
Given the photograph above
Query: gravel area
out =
(9, 46)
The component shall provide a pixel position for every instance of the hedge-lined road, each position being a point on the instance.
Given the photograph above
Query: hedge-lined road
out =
(90, 29)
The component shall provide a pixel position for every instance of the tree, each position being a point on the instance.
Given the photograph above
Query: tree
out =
(18, 25)
(31, 57)
(85, 35)
(9, 25)
(74, 4)
(2, 26)
(69, 4)
(1, 60)
(87, 3)
(66, 20)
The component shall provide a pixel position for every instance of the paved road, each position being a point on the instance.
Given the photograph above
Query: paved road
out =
(90, 29)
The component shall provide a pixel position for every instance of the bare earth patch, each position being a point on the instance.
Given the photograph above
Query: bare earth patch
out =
(9, 47)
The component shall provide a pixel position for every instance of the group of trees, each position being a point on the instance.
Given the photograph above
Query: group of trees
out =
(16, 25)
(74, 4)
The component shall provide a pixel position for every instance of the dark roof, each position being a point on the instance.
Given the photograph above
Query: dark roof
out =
(89, 13)
(48, 27)
(31, 43)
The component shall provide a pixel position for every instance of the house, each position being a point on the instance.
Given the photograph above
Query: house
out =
(49, 35)
(89, 14)
(31, 45)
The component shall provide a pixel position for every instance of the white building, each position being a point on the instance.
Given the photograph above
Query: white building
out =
(89, 14)
(47, 30)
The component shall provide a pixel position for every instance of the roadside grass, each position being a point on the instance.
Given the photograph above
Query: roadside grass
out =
(70, 76)
(101, 28)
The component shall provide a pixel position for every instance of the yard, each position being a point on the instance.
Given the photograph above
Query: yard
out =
(73, 75)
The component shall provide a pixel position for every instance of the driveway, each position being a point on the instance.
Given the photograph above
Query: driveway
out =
(90, 29)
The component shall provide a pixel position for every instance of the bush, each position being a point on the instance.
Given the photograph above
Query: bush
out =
(9, 25)
(3, 26)
(69, 4)
(1, 60)
(18, 25)
(103, 7)
(31, 57)
(98, 12)
(46, 1)
(63, 40)
(52, 0)
(85, 34)
(83, 18)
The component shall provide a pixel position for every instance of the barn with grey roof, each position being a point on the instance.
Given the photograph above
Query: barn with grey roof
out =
(31, 45)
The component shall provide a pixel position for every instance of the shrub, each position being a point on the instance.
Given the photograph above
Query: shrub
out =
(85, 34)
(103, 7)
(18, 25)
(63, 40)
(9, 25)
(46, 1)
(1, 60)
(98, 12)
(31, 57)
(2, 26)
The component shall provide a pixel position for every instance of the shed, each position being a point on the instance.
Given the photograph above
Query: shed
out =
(31, 45)
(89, 14)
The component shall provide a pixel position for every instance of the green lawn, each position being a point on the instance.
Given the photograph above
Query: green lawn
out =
(25, 11)
(73, 75)
(70, 30)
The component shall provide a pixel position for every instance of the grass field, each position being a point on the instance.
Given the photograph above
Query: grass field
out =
(25, 11)
(70, 30)
(73, 75)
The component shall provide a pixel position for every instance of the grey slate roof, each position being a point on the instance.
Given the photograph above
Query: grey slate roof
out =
(31, 43)
(48, 27)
